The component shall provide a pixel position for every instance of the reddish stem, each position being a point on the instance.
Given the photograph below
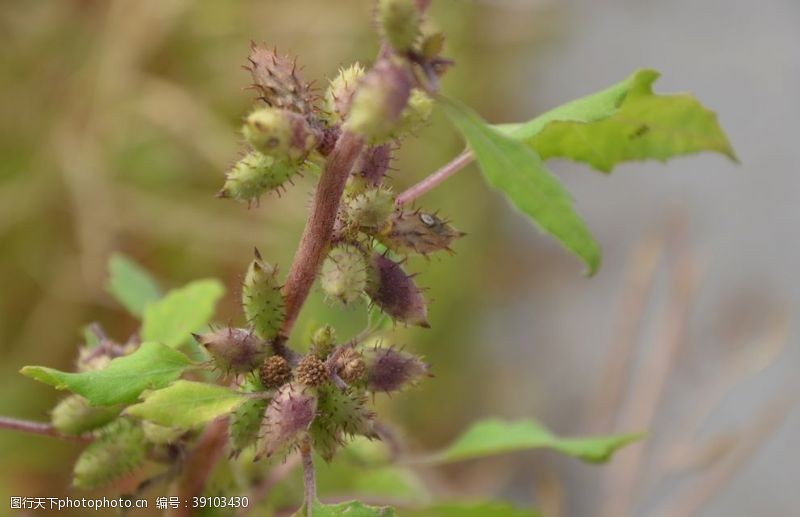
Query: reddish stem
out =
(436, 178)
(40, 428)
(319, 227)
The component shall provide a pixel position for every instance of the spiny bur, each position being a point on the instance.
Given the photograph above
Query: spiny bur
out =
(234, 350)
(379, 100)
(279, 133)
(399, 22)
(254, 175)
(262, 301)
(415, 115)
(389, 369)
(118, 450)
(311, 371)
(417, 232)
(244, 424)
(340, 415)
(287, 418)
(369, 210)
(391, 289)
(74, 415)
(343, 276)
(371, 168)
(278, 81)
(275, 372)
(340, 93)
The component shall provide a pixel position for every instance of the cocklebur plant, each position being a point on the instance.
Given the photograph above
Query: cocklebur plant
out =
(214, 409)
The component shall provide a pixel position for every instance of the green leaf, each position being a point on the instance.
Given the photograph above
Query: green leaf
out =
(186, 404)
(493, 436)
(348, 509)
(459, 509)
(516, 170)
(640, 126)
(130, 284)
(182, 311)
(151, 366)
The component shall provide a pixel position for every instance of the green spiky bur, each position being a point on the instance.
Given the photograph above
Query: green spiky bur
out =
(399, 22)
(262, 300)
(415, 115)
(74, 415)
(279, 133)
(118, 450)
(255, 175)
(340, 415)
(369, 210)
(323, 340)
(245, 423)
(340, 92)
(343, 276)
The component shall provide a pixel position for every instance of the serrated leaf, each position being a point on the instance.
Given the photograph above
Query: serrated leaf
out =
(130, 284)
(348, 509)
(151, 366)
(494, 436)
(640, 125)
(171, 319)
(516, 170)
(186, 404)
(458, 509)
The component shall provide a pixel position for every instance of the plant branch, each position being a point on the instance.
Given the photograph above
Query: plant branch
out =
(40, 428)
(309, 478)
(319, 227)
(436, 178)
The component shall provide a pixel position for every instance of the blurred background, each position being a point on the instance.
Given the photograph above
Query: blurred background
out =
(119, 118)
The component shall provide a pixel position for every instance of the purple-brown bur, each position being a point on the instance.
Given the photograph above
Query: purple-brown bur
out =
(289, 414)
(391, 289)
(233, 349)
(389, 369)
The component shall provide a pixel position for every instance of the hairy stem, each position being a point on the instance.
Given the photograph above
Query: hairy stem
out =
(436, 178)
(319, 227)
(40, 428)
(309, 477)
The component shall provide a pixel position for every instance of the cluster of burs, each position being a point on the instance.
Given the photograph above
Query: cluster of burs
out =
(293, 130)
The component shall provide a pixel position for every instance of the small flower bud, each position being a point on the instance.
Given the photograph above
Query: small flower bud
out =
(244, 424)
(391, 289)
(288, 416)
(161, 434)
(275, 372)
(340, 92)
(74, 415)
(369, 210)
(324, 339)
(350, 366)
(311, 371)
(254, 175)
(343, 276)
(278, 81)
(389, 369)
(233, 349)
(379, 101)
(399, 22)
(417, 232)
(118, 450)
(262, 300)
(282, 134)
